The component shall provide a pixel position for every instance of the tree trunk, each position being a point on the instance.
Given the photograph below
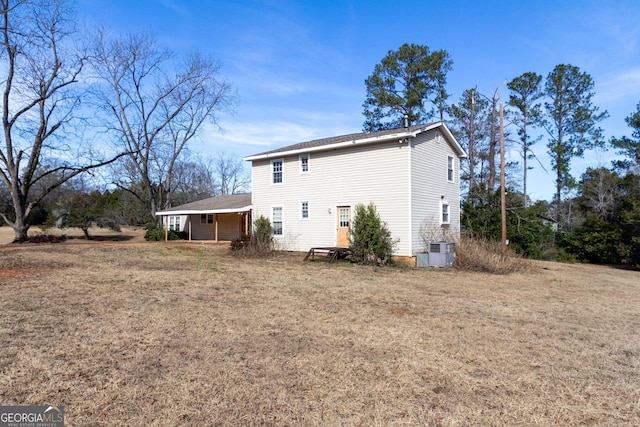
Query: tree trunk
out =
(85, 230)
(525, 150)
(20, 225)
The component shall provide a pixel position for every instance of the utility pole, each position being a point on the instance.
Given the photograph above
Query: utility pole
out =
(503, 192)
(472, 155)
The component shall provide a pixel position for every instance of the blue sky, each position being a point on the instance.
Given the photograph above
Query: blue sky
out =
(299, 66)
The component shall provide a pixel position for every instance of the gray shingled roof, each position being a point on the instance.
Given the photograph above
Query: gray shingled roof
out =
(342, 138)
(218, 203)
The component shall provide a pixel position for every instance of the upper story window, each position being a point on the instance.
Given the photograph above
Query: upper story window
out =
(450, 168)
(276, 171)
(304, 163)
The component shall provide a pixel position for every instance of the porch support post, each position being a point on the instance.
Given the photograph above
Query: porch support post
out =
(165, 223)
(189, 225)
(216, 220)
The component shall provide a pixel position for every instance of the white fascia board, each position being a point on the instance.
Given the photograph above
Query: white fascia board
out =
(454, 141)
(362, 141)
(204, 211)
(337, 145)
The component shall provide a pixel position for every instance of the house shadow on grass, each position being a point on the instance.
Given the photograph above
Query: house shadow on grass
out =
(104, 238)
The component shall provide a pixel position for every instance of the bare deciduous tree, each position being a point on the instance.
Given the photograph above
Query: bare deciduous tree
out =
(156, 106)
(40, 102)
(229, 174)
(193, 180)
(598, 190)
(469, 126)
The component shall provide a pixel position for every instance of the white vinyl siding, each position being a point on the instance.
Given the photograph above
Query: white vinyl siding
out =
(346, 177)
(407, 188)
(430, 187)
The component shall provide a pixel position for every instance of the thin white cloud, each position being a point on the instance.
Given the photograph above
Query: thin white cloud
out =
(621, 86)
(175, 7)
(251, 137)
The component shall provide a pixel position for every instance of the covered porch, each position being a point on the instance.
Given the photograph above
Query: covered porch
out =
(220, 218)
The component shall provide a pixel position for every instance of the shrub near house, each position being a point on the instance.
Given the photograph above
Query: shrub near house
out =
(371, 241)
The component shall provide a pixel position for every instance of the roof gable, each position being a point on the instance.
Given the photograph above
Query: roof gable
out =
(359, 138)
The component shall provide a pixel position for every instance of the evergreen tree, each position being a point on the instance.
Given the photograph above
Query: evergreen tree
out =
(630, 148)
(525, 99)
(406, 83)
(571, 120)
(371, 241)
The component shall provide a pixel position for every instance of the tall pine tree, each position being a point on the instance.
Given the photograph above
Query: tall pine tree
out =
(408, 82)
(525, 99)
(628, 147)
(571, 120)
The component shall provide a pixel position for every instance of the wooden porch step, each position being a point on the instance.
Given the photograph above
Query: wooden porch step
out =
(333, 252)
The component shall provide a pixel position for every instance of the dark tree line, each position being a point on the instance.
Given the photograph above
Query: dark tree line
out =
(594, 218)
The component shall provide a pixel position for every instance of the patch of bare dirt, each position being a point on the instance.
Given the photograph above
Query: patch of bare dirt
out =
(12, 273)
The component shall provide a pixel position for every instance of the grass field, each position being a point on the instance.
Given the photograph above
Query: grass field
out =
(171, 334)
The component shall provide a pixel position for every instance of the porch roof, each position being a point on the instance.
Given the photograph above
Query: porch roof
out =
(227, 203)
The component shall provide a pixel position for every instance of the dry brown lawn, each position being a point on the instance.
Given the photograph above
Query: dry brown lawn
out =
(172, 334)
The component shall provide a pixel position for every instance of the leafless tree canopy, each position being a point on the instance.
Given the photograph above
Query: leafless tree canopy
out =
(156, 105)
(40, 73)
(230, 175)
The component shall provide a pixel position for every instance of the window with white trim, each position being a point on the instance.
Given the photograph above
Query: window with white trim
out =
(445, 217)
(174, 223)
(304, 210)
(450, 169)
(276, 171)
(276, 220)
(304, 163)
(206, 218)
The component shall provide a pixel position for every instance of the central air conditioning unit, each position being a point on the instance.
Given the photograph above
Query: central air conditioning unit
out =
(442, 254)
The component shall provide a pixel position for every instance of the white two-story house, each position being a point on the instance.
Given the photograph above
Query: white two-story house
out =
(412, 175)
